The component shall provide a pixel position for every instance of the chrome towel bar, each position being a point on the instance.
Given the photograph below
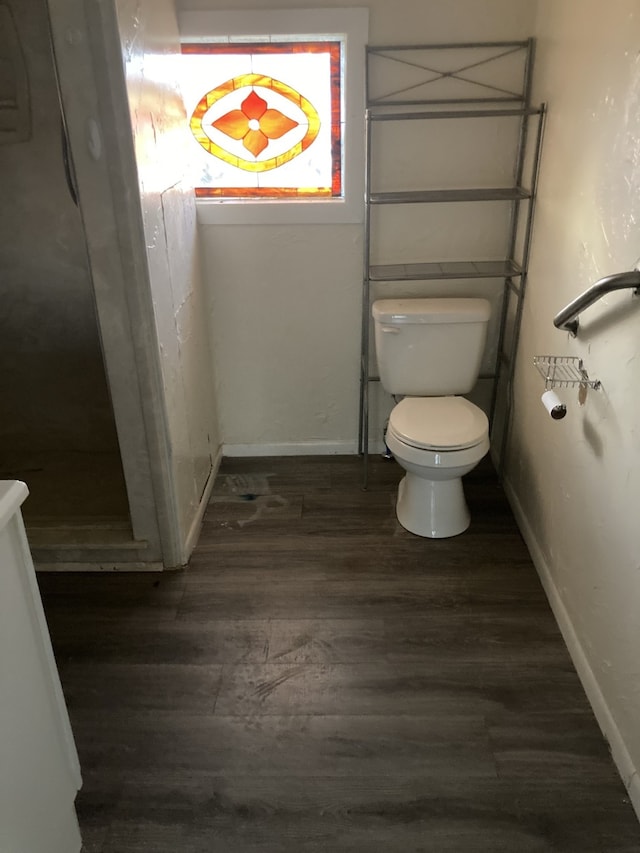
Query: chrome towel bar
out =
(568, 318)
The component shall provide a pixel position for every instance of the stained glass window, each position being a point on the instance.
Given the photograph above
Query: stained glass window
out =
(266, 118)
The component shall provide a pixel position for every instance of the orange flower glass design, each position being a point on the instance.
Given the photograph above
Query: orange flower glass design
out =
(255, 124)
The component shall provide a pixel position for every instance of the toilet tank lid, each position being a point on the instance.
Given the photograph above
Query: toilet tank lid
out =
(433, 310)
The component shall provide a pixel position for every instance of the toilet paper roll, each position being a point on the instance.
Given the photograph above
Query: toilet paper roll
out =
(554, 405)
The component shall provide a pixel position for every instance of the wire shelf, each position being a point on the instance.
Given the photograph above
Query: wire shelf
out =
(560, 371)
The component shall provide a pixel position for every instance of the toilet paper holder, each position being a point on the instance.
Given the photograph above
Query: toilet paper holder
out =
(564, 371)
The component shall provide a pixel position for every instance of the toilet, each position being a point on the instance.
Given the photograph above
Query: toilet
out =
(429, 351)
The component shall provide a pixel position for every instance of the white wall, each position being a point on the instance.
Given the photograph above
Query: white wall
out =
(285, 318)
(150, 44)
(576, 483)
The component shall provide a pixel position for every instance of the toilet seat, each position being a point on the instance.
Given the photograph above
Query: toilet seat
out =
(438, 423)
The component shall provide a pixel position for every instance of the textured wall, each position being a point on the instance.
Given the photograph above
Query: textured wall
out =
(53, 392)
(286, 299)
(577, 481)
(150, 44)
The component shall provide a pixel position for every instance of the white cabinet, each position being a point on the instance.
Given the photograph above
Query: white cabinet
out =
(39, 769)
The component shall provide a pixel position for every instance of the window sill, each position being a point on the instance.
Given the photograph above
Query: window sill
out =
(280, 212)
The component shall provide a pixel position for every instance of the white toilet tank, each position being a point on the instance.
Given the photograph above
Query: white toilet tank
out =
(430, 347)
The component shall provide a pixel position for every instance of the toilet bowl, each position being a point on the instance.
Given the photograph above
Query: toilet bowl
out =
(430, 351)
(437, 440)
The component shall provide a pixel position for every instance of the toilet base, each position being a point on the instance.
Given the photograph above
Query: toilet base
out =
(435, 509)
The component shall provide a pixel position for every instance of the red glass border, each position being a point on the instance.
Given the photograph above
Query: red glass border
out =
(264, 192)
(333, 48)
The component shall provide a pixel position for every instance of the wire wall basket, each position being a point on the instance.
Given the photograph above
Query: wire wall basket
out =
(563, 371)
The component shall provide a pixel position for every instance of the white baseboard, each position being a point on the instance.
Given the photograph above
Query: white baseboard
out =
(619, 752)
(301, 448)
(86, 567)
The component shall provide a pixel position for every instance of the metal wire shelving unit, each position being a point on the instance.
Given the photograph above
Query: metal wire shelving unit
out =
(454, 82)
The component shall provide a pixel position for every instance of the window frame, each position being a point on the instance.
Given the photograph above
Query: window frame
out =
(306, 24)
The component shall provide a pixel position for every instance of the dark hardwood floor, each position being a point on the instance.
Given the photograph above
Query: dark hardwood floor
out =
(319, 679)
